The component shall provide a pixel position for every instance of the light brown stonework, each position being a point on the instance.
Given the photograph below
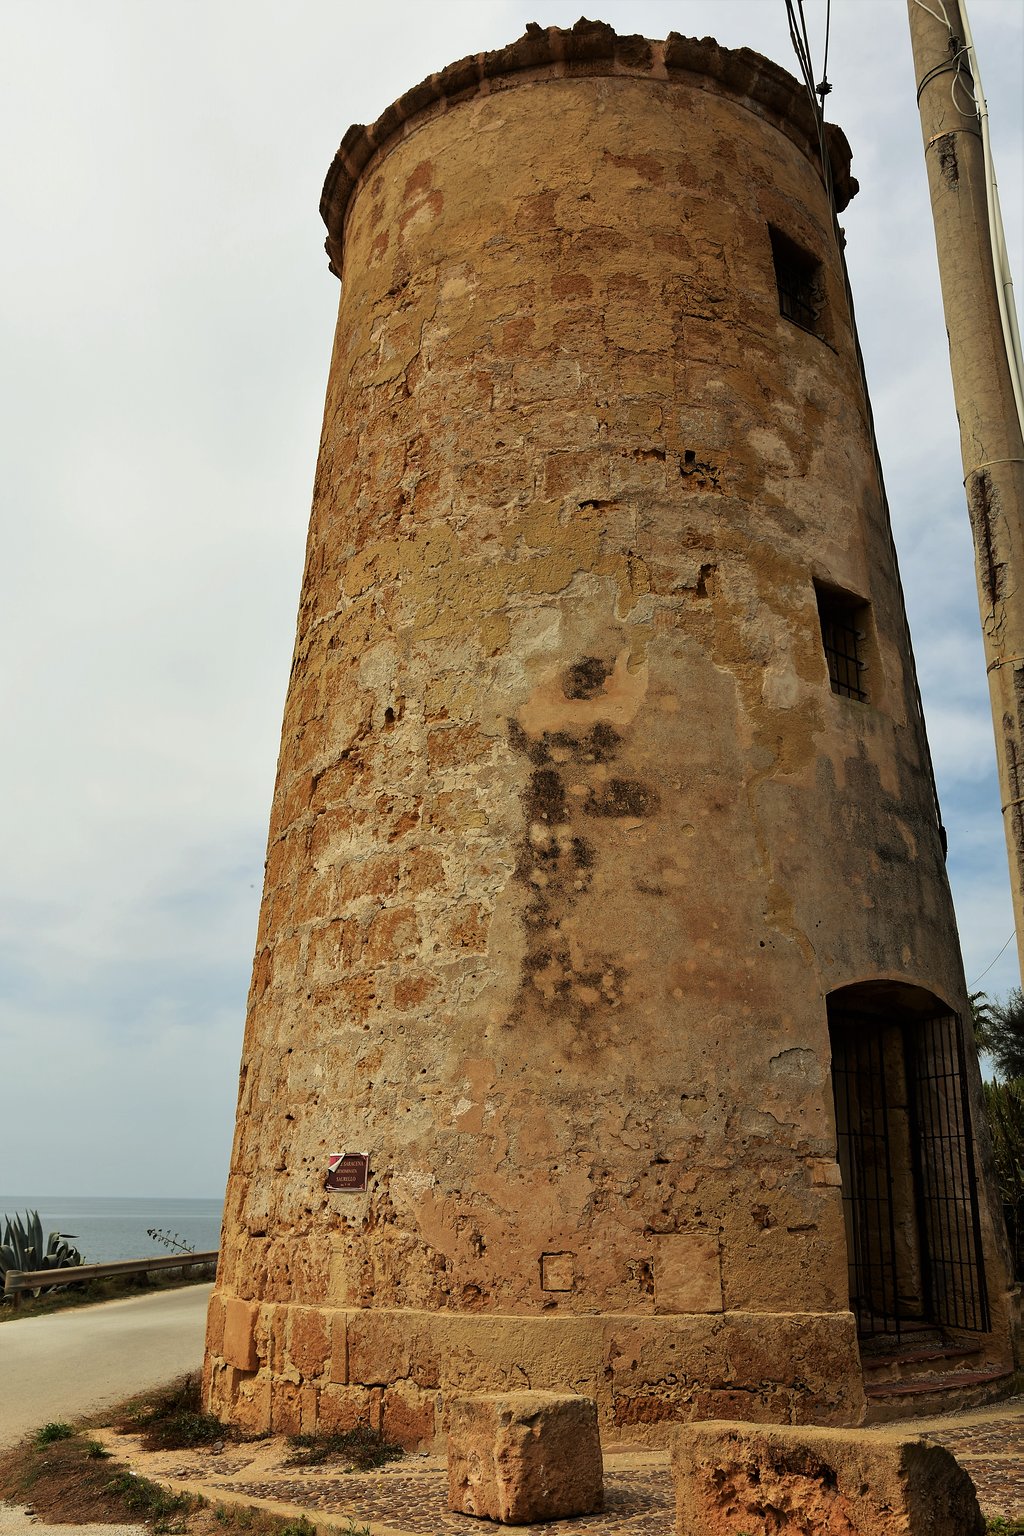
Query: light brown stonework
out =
(731, 1479)
(524, 1456)
(573, 846)
(238, 1345)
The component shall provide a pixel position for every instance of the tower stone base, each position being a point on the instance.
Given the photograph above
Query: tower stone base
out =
(292, 1369)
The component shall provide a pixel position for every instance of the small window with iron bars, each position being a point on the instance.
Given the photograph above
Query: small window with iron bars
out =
(844, 626)
(799, 282)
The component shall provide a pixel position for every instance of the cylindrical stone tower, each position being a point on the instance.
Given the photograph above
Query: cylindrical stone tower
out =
(605, 907)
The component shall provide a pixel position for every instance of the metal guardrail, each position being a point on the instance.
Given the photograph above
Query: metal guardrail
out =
(17, 1281)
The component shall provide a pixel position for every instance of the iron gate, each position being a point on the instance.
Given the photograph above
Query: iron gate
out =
(906, 1154)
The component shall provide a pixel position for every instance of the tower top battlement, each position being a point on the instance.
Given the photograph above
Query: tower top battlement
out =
(589, 48)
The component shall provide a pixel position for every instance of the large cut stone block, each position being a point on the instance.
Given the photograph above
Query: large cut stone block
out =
(797, 1481)
(239, 1342)
(523, 1456)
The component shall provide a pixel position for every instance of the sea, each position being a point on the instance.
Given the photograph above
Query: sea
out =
(104, 1228)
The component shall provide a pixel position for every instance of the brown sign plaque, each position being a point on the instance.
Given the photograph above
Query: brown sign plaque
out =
(347, 1171)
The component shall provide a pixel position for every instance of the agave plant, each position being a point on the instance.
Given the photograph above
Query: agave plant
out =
(23, 1247)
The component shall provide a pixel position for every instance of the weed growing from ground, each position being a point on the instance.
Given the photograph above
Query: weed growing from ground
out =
(362, 1447)
(143, 1498)
(173, 1419)
(68, 1475)
(259, 1522)
(50, 1433)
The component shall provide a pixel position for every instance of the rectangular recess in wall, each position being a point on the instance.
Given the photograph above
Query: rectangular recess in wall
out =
(800, 284)
(844, 620)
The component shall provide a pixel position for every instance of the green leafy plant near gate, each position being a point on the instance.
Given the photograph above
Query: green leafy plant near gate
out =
(1004, 1108)
(23, 1247)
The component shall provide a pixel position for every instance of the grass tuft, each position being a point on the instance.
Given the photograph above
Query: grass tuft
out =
(173, 1418)
(141, 1497)
(50, 1433)
(68, 1478)
(362, 1447)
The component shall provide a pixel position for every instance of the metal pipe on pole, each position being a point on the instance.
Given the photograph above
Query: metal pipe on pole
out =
(986, 382)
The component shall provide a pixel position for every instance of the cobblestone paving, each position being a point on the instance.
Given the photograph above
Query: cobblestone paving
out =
(990, 1450)
(409, 1497)
(636, 1504)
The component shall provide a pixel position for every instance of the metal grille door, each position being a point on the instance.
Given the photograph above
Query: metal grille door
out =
(947, 1183)
(906, 1154)
(865, 1161)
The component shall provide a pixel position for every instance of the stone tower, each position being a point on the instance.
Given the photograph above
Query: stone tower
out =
(605, 907)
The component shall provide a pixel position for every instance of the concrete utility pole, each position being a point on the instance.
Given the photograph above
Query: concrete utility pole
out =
(988, 407)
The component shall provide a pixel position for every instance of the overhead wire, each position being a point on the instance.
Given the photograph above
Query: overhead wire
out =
(944, 18)
(991, 963)
(823, 88)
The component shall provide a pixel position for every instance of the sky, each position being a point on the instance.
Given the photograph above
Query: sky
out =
(166, 318)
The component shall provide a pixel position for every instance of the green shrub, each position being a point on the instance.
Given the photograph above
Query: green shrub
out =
(1004, 1108)
(23, 1247)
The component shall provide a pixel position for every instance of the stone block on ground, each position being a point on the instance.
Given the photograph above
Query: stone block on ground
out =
(791, 1480)
(522, 1456)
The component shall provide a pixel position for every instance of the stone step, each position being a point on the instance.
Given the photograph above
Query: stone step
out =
(932, 1394)
(890, 1367)
(907, 1336)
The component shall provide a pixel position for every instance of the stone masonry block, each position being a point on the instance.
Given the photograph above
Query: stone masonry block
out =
(797, 1481)
(688, 1273)
(215, 1326)
(309, 1343)
(524, 1456)
(239, 1346)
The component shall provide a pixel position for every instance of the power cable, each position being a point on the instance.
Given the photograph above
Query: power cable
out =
(988, 967)
(943, 18)
(822, 89)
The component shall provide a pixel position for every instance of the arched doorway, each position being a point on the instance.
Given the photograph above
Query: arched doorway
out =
(905, 1151)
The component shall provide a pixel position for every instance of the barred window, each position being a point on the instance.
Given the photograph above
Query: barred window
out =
(844, 627)
(799, 281)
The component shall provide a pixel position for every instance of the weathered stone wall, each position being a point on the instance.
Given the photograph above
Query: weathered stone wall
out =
(571, 836)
